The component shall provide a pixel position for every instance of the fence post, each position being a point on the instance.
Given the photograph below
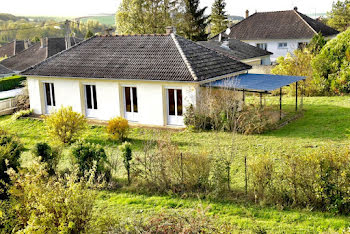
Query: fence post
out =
(182, 171)
(245, 176)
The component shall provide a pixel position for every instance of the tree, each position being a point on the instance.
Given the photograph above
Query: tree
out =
(317, 43)
(127, 157)
(89, 34)
(218, 17)
(144, 16)
(194, 22)
(332, 65)
(339, 17)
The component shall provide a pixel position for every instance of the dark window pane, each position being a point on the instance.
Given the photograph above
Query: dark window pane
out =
(179, 102)
(94, 96)
(171, 102)
(48, 94)
(88, 96)
(53, 94)
(134, 96)
(127, 99)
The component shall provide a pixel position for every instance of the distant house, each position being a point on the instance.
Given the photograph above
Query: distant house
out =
(12, 48)
(279, 32)
(147, 79)
(36, 53)
(4, 71)
(240, 51)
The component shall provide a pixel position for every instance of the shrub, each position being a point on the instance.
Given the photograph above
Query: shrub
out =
(65, 124)
(48, 155)
(88, 154)
(10, 151)
(11, 82)
(118, 128)
(22, 100)
(43, 204)
(253, 119)
(22, 113)
(127, 157)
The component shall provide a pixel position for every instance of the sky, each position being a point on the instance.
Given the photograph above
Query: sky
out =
(90, 7)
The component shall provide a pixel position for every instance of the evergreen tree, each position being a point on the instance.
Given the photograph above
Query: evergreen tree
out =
(218, 17)
(194, 23)
(339, 17)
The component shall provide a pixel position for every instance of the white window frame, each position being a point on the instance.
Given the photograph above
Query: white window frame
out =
(49, 108)
(264, 45)
(282, 45)
(174, 119)
(131, 116)
(90, 113)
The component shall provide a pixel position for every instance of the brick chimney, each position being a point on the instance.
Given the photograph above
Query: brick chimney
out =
(246, 13)
(169, 30)
(43, 42)
(26, 44)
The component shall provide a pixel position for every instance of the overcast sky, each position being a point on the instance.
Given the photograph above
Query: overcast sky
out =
(87, 7)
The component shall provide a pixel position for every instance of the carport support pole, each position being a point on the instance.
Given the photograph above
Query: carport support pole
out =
(296, 96)
(280, 103)
(261, 104)
(243, 96)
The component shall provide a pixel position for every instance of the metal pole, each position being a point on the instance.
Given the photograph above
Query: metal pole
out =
(243, 96)
(296, 96)
(280, 103)
(261, 104)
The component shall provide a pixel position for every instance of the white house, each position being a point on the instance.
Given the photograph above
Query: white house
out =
(148, 79)
(279, 32)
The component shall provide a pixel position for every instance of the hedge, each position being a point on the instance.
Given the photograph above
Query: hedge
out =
(11, 82)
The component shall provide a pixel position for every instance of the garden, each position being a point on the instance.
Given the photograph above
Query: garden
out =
(290, 179)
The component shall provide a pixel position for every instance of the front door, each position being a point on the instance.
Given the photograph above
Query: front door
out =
(91, 101)
(50, 100)
(175, 108)
(130, 104)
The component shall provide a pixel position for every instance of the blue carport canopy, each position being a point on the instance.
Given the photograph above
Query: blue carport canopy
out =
(255, 82)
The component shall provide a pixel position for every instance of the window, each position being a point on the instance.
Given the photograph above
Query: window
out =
(175, 102)
(130, 99)
(262, 46)
(282, 45)
(302, 45)
(91, 97)
(50, 94)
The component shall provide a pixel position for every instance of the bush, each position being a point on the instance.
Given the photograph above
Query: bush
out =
(118, 128)
(22, 113)
(87, 155)
(10, 151)
(48, 155)
(65, 124)
(22, 100)
(127, 157)
(11, 82)
(42, 204)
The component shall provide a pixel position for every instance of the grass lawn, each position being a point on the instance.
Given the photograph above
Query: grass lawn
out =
(326, 121)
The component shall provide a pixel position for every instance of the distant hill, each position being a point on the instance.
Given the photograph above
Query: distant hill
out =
(8, 17)
(106, 19)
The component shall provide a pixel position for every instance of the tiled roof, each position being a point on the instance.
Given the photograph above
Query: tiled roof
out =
(279, 25)
(5, 70)
(34, 54)
(235, 49)
(145, 57)
(8, 49)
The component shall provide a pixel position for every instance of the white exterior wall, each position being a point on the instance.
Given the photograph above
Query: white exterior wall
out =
(272, 46)
(152, 102)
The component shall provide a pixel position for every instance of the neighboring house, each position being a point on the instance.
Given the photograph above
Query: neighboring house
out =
(4, 71)
(147, 79)
(241, 51)
(279, 32)
(12, 48)
(36, 53)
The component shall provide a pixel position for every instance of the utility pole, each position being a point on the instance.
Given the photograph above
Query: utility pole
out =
(67, 36)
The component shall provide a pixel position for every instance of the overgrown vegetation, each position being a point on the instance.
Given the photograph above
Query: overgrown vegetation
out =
(118, 128)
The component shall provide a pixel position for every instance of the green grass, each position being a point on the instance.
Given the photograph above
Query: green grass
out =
(325, 122)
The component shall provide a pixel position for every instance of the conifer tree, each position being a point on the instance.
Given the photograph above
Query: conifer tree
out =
(218, 18)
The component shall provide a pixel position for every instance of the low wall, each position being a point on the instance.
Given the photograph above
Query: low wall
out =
(7, 106)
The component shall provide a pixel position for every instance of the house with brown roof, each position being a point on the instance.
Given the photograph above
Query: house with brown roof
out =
(14, 47)
(279, 32)
(36, 53)
(147, 79)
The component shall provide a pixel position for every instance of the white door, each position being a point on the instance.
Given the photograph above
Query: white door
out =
(91, 101)
(130, 104)
(175, 108)
(50, 101)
